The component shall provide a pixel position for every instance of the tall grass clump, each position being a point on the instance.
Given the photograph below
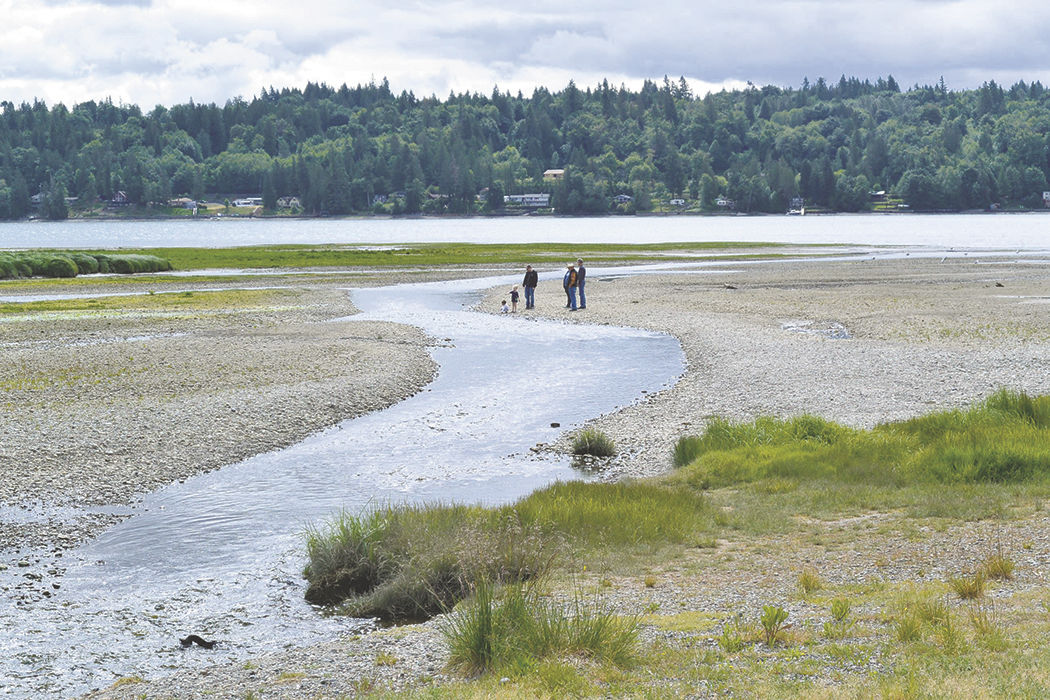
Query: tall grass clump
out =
(62, 264)
(686, 449)
(511, 629)
(617, 514)
(1003, 439)
(412, 562)
(593, 442)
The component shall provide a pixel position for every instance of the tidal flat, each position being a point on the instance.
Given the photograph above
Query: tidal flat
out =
(920, 334)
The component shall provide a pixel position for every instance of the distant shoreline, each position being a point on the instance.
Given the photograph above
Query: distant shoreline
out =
(453, 217)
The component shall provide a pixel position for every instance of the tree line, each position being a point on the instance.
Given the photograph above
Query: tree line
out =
(336, 149)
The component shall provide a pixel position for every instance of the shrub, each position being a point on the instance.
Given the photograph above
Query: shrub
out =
(60, 264)
(133, 264)
(593, 442)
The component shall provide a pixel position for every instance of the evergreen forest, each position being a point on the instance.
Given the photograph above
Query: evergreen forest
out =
(848, 146)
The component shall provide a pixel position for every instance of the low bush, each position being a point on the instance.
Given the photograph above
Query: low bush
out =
(593, 442)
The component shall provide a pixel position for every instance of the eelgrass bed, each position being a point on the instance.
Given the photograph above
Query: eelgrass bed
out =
(70, 264)
(411, 562)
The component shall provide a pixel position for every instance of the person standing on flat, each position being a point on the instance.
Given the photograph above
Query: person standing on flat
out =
(529, 283)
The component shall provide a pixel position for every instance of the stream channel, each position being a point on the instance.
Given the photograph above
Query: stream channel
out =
(221, 555)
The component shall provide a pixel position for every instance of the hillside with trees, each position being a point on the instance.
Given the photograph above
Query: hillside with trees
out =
(344, 150)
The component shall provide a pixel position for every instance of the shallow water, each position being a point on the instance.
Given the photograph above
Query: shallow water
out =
(959, 230)
(220, 555)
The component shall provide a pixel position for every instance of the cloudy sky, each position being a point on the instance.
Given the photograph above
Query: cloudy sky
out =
(152, 52)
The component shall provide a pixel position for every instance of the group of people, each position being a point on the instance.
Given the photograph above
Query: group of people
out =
(574, 281)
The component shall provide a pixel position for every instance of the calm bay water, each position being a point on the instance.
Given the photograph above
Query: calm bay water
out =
(1031, 230)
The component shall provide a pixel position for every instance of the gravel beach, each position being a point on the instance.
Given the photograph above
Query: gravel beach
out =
(859, 342)
(101, 407)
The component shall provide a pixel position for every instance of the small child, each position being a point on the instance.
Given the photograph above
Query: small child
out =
(514, 300)
(504, 309)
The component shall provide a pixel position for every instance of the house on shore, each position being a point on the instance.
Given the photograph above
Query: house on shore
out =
(536, 199)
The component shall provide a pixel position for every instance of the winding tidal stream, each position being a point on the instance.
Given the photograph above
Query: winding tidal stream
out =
(220, 555)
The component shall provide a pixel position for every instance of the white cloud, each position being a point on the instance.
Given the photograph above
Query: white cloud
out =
(166, 51)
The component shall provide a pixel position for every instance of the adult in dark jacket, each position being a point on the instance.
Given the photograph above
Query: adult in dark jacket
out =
(529, 283)
(581, 278)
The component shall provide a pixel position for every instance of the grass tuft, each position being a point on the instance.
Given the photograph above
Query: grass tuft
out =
(998, 567)
(968, 587)
(593, 442)
(511, 629)
(809, 581)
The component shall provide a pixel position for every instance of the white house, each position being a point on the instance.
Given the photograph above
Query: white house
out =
(538, 199)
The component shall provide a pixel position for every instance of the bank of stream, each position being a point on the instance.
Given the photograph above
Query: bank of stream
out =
(220, 555)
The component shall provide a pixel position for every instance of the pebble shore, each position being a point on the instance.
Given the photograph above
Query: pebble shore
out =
(856, 342)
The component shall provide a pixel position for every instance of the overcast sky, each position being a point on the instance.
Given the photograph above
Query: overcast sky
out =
(152, 52)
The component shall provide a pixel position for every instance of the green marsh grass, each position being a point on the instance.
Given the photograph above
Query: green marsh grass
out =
(1002, 440)
(413, 255)
(968, 587)
(218, 300)
(412, 562)
(38, 263)
(998, 566)
(809, 581)
(593, 442)
(511, 629)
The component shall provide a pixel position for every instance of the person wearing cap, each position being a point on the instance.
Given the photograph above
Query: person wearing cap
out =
(581, 277)
(569, 282)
